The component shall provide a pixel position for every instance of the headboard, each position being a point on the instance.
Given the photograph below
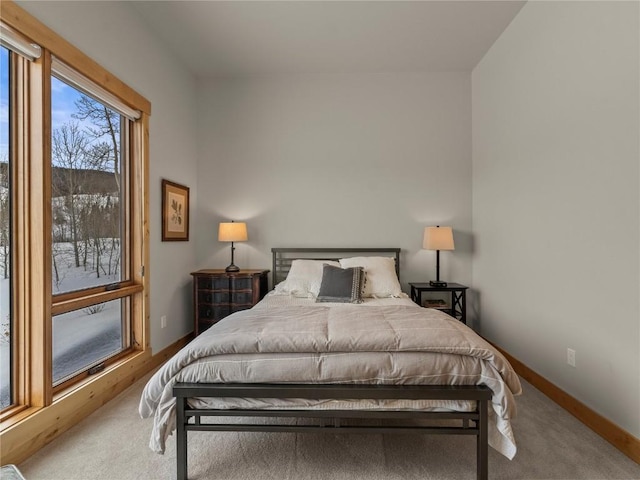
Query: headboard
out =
(282, 257)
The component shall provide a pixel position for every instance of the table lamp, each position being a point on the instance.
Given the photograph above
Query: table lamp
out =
(438, 238)
(232, 232)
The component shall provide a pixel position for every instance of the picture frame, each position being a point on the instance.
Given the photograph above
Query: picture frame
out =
(175, 212)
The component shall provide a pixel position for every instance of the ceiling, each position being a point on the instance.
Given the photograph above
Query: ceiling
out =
(241, 38)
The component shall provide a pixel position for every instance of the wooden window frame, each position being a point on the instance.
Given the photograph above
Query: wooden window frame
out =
(33, 303)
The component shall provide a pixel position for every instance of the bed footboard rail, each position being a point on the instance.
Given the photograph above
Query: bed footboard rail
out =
(472, 423)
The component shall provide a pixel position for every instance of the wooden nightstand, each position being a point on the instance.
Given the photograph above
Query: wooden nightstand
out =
(217, 294)
(457, 304)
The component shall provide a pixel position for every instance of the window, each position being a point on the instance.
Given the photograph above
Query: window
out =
(73, 233)
(89, 187)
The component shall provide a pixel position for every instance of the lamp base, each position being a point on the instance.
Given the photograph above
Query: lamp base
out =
(437, 283)
(232, 269)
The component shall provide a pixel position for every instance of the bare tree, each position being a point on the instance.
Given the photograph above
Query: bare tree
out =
(105, 124)
(68, 150)
(5, 217)
(87, 210)
(5, 241)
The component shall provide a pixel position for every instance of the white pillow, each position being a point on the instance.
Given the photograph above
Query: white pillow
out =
(381, 280)
(304, 278)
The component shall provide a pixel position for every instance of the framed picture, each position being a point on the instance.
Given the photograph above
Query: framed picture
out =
(175, 212)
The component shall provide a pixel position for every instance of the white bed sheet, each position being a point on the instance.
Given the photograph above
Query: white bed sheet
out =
(273, 299)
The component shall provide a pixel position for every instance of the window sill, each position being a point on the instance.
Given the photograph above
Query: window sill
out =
(130, 357)
(16, 415)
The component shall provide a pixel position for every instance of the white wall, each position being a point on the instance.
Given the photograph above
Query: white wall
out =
(114, 35)
(348, 160)
(556, 214)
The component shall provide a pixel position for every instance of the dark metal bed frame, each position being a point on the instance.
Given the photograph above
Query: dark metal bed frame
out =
(282, 258)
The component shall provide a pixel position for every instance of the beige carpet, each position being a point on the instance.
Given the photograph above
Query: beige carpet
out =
(112, 445)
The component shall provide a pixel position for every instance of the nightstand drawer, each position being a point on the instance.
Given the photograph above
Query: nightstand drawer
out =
(213, 297)
(236, 284)
(210, 312)
(213, 283)
(242, 298)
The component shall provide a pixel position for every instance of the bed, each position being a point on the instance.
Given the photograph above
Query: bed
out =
(339, 347)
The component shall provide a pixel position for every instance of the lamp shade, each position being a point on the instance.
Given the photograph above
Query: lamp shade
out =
(438, 238)
(232, 232)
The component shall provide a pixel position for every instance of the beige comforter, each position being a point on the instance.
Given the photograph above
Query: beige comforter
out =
(332, 343)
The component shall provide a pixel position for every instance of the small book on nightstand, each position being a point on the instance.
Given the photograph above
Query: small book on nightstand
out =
(435, 303)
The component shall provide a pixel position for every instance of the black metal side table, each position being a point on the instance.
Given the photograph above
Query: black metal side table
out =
(457, 306)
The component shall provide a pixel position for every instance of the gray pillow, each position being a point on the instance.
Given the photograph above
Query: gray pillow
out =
(343, 285)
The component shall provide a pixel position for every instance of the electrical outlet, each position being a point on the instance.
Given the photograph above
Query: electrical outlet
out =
(163, 321)
(571, 357)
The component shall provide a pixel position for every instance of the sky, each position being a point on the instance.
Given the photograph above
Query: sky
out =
(63, 99)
